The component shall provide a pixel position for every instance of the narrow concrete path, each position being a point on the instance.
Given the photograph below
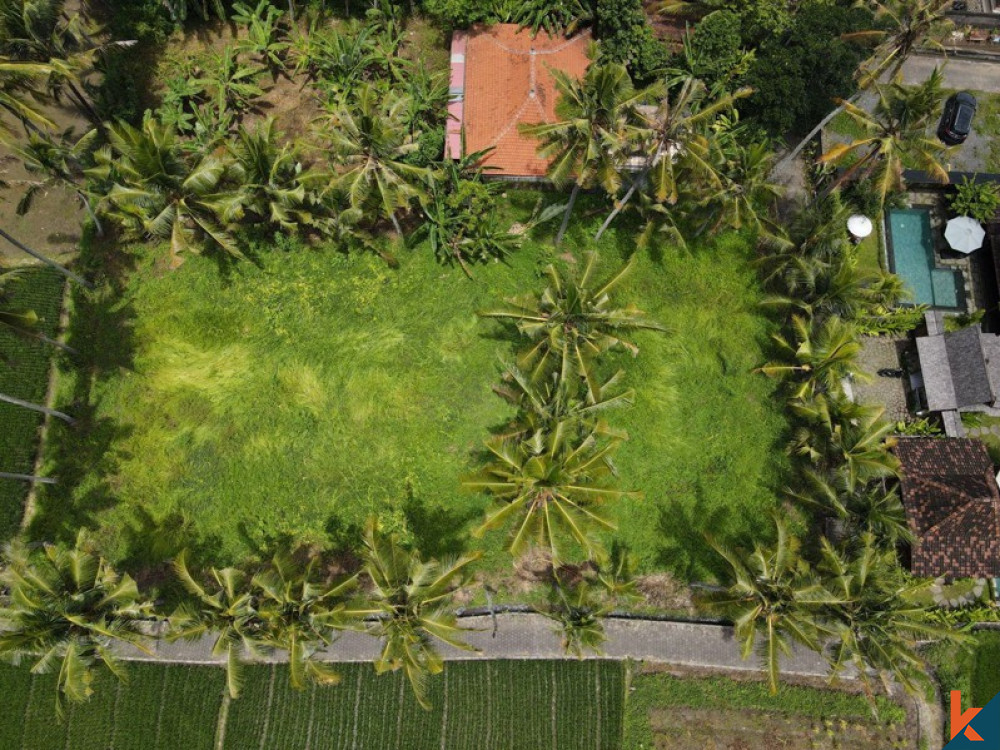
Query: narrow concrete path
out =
(532, 636)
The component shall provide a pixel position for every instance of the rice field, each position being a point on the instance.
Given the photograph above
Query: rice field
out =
(24, 372)
(495, 705)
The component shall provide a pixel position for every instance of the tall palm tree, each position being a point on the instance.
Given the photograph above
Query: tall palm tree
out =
(61, 164)
(550, 486)
(573, 321)
(869, 509)
(300, 615)
(597, 130)
(850, 440)
(877, 625)
(17, 79)
(274, 187)
(411, 599)
(370, 141)
(772, 596)
(679, 139)
(153, 188)
(818, 355)
(905, 24)
(894, 137)
(227, 610)
(65, 610)
(746, 194)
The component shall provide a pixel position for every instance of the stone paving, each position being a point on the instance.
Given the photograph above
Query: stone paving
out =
(882, 352)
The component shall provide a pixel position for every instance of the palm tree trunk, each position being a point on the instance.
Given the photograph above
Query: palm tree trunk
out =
(812, 133)
(291, 10)
(35, 407)
(569, 210)
(621, 204)
(48, 261)
(90, 212)
(395, 224)
(28, 478)
(86, 106)
(57, 344)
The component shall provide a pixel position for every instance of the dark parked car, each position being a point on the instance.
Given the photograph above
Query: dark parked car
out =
(956, 122)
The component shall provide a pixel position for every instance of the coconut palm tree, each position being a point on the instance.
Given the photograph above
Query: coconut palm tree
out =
(904, 25)
(370, 141)
(867, 509)
(60, 163)
(573, 321)
(153, 189)
(773, 599)
(17, 79)
(817, 355)
(553, 403)
(746, 193)
(550, 486)
(597, 130)
(894, 137)
(850, 440)
(227, 610)
(877, 625)
(300, 615)
(680, 136)
(65, 610)
(274, 186)
(411, 599)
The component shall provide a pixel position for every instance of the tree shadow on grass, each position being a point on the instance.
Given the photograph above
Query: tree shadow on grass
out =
(685, 529)
(438, 531)
(83, 456)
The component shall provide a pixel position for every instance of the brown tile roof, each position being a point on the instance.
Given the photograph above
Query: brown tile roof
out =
(952, 502)
(507, 82)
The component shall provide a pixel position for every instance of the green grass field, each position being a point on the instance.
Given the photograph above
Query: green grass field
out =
(290, 399)
(24, 375)
(544, 705)
(975, 671)
(664, 711)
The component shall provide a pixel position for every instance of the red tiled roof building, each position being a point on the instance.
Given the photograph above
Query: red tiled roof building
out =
(500, 78)
(949, 491)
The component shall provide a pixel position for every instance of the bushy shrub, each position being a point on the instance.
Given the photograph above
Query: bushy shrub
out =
(716, 47)
(459, 14)
(626, 37)
(980, 200)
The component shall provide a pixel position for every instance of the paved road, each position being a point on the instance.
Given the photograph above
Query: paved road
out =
(531, 636)
(977, 75)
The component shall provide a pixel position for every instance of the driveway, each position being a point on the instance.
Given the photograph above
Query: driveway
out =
(976, 75)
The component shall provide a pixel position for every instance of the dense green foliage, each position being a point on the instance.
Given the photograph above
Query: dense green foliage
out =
(980, 200)
(26, 376)
(798, 74)
(626, 37)
(479, 705)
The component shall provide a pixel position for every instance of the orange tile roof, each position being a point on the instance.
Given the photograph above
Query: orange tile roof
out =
(507, 82)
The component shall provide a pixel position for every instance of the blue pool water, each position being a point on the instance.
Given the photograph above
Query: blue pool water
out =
(912, 259)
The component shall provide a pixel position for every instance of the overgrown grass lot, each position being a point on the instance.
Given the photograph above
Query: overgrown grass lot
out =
(476, 705)
(287, 399)
(25, 375)
(666, 712)
(975, 671)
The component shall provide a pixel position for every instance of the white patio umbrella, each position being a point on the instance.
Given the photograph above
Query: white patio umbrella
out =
(964, 234)
(859, 226)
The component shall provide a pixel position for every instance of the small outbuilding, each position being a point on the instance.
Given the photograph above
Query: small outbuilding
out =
(952, 502)
(501, 77)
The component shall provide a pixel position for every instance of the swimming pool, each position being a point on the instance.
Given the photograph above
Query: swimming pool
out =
(911, 257)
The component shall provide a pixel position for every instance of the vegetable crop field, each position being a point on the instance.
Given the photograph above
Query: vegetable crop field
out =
(25, 375)
(522, 705)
